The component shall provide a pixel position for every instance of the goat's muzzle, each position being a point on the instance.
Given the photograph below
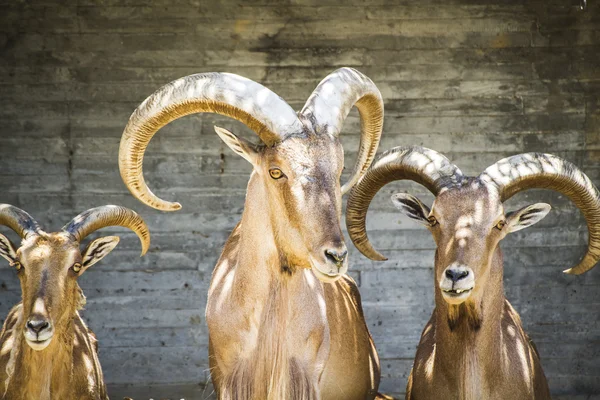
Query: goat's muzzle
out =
(38, 332)
(457, 283)
(332, 265)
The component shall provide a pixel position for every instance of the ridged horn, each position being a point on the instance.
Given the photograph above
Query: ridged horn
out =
(545, 171)
(227, 94)
(102, 217)
(18, 220)
(329, 105)
(427, 167)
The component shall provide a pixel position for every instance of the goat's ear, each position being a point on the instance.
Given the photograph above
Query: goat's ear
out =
(240, 145)
(97, 250)
(412, 207)
(7, 249)
(526, 216)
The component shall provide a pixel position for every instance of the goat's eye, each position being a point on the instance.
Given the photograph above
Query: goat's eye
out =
(276, 173)
(501, 224)
(76, 267)
(17, 265)
(432, 221)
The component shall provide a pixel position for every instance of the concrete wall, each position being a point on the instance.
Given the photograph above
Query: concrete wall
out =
(477, 80)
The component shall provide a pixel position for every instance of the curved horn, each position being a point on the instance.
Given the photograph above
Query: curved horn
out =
(18, 220)
(234, 96)
(329, 105)
(427, 167)
(545, 171)
(101, 217)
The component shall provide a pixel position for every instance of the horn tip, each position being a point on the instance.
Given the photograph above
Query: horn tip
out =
(167, 206)
(375, 256)
(145, 241)
(573, 271)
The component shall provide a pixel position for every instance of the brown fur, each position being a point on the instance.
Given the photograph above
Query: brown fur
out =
(476, 349)
(26, 374)
(69, 367)
(276, 331)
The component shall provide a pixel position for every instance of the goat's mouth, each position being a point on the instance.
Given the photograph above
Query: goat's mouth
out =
(38, 345)
(326, 277)
(456, 292)
(456, 295)
(39, 341)
(328, 273)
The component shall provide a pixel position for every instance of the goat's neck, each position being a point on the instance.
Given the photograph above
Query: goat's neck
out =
(467, 336)
(267, 299)
(259, 258)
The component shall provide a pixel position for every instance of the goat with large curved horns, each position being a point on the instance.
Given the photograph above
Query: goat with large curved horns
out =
(46, 350)
(474, 346)
(275, 331)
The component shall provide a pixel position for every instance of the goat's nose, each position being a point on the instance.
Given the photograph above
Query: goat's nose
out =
(37, 325)
(336, 256)
(456, 274)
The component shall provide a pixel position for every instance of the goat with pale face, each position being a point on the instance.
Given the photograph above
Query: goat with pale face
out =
(474, 345)
(275, 330)
(46, 350)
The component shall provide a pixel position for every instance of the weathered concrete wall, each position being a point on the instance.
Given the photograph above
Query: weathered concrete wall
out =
(477, 80)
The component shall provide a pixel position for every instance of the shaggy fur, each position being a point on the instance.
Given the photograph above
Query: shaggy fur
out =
(68, 369)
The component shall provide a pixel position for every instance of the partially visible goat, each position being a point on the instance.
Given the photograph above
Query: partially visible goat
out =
(276, 331)
(46, 350)
(474, 346)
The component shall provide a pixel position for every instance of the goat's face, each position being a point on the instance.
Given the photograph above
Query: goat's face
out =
(300, 178)
(48, 266)
(45, 267)
(467, 223)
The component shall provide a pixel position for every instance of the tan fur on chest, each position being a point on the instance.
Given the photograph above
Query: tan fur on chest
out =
(275, 353)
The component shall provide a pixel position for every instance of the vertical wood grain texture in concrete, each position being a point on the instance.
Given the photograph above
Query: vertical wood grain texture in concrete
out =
(476, 79)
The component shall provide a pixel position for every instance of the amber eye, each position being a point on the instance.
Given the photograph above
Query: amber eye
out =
(17, 265)
(432, 221)
(276, 173)
(501, 224)
(76, 267)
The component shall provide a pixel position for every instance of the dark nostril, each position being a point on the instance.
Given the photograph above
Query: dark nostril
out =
(456, 275)
(336, 257)
(37, 325)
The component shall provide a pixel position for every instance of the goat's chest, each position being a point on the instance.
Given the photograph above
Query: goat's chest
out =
(468, 377)
(285, 324)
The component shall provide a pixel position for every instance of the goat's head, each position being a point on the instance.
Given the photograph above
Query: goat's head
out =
(467, 218)
(298, 165)
(48, 264)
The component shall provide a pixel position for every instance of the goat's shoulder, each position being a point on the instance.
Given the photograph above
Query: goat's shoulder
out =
(426, 379)
(7, 343)
(512, 325)
(10, 322)
(426, 347)
(347, 286)
(518, 340)
(86, 332)
(84, 338)
(89, 381)
(7, 334)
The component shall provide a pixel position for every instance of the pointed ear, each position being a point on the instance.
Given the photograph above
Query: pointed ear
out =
(97, 250)
(7, 249)
(411, 207)
(241, 146)
(526, 216)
